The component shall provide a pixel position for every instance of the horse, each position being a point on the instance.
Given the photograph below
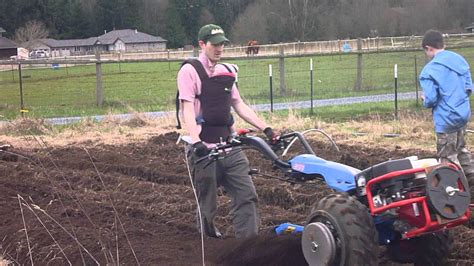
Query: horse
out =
(252, 47)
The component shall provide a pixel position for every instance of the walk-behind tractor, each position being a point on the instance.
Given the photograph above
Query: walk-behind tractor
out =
(405, 205)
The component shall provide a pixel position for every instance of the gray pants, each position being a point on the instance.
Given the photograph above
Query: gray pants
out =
(230, 171)
(451, 147)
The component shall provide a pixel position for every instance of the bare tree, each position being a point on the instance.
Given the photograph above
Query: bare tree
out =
(206, 17)
(32, 30)
(302, 17)
(250, 25)
(153, 13)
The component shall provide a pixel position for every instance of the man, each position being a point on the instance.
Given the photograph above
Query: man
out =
(447, 84)
(207, 92)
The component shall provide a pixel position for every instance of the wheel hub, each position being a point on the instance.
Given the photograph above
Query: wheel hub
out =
(448, 192)
(319, 247)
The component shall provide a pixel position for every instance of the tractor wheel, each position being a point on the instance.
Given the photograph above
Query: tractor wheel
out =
(429, 249)
(352, 228)
(470, 181)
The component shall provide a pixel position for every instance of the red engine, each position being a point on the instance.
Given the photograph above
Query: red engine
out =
(422, 195)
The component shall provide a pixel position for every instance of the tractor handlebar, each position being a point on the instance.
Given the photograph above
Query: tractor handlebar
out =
(254, 142)
(257, 143)
(301, 138)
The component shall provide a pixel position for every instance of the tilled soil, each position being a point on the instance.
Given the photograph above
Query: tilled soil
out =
(134, 204)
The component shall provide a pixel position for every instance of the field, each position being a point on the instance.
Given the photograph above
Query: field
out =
(151, 86)
(119, 192)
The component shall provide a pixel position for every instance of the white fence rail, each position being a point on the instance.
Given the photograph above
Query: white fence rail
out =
(301, 48)
(268, 50)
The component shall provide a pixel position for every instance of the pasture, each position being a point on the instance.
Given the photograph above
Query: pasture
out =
(151, 86)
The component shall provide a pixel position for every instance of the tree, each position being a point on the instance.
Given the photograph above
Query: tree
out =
(250, 25)
(81, 27)
(153, 13)
(292, 20)
(225, 12)
(189, 12)
(174, 31)
(32, 30)
(59, 18)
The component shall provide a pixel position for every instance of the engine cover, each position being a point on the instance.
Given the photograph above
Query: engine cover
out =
(385, 168)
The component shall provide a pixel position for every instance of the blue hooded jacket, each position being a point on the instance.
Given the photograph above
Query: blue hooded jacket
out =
(447, 84)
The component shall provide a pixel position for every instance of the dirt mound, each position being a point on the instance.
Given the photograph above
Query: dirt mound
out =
(123, 204)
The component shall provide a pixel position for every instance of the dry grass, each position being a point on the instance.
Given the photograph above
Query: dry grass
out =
(26, 126)
(110, 131)
(4, 262)
(415, 130)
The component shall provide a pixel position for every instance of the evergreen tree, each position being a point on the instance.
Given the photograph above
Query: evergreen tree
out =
(174, 33)
(59, 19)
(189, 12)
(81, 25)
(131, 16)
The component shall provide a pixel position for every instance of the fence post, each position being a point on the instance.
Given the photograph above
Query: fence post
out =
(119, 61)
(395, 74)
(416, 81)
(282, 71)
(270, 75)
(99, 92)
(13, 73)
(22, 106)
(311, 82)
(358, 84)
(168, 56)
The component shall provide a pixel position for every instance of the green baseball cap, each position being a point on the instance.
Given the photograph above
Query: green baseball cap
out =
(212, 33)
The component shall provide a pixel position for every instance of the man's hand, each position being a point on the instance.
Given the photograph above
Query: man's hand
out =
(200, 149)
(273, 137)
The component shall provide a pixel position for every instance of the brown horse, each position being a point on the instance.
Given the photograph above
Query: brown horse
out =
(252, 47)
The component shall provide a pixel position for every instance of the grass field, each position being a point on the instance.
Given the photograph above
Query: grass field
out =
(151, 86)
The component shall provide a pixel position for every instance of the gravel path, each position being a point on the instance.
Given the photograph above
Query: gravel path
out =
(258, 107)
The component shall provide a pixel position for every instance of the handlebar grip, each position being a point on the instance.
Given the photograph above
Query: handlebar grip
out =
(288, 135)
(243, 131)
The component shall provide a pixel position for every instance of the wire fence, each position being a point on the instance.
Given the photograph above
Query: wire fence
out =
(90, 86)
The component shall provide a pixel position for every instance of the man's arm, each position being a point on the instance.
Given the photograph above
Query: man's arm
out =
(244, 111)
(189, 118)
(187, 82)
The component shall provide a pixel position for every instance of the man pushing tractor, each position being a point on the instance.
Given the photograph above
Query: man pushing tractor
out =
(207, 91)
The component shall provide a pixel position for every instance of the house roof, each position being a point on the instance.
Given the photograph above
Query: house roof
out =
(52, 43)
(470, 26)
(2, 30)
(128, 36)
(69, 43)
(7, 43)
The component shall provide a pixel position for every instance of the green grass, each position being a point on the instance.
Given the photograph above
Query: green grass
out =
(357, 111)
(151, 86)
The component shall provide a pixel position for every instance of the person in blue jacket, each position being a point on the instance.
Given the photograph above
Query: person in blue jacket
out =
(447, 84)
